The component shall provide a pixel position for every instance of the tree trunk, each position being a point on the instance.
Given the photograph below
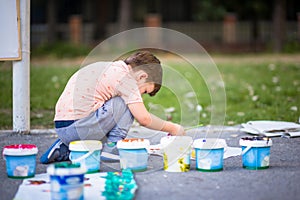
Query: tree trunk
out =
(279, 20)
(51, 21)
(255, 32)
(124, 14)
(101, 9)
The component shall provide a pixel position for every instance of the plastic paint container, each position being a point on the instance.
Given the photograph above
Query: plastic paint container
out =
(87, 153)
(256, 152)
(67, 181)
(176, 153)
(20, 160)
(209, 154)
(133, 154)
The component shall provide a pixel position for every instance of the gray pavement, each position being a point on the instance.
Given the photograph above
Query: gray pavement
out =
(280, 181)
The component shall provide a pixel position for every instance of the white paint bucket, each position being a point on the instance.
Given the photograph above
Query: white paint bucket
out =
(67, 181)
(209, 154)
(133, 154)
(87, 153)
(256, 152)
(20, 160)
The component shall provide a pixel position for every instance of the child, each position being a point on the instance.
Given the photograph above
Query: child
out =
(100, 102)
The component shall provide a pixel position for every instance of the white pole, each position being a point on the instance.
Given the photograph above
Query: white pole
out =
(21, 75)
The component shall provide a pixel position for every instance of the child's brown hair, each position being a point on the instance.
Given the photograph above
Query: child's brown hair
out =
(146, 61)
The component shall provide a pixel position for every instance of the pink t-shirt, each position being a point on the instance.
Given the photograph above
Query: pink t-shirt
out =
(91, 86)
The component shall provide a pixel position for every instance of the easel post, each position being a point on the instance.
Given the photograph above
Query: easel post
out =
(21, 74)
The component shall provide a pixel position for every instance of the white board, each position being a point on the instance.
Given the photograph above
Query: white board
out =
(10, 30)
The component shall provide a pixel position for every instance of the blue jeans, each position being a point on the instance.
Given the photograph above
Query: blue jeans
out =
(110, 122)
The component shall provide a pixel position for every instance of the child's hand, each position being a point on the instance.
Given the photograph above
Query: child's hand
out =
(178, 130)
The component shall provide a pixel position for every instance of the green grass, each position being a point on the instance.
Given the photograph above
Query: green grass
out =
(46, 84)
(262, 91)
(61, 50)
(254, 91)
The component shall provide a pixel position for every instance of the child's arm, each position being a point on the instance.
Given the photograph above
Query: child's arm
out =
(140, 113)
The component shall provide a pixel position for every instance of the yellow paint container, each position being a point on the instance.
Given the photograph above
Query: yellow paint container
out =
(176, 153)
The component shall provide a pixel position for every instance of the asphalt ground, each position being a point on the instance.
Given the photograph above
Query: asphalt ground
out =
(280, 181)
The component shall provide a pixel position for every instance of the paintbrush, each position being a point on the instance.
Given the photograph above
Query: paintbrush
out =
(192, 127)
(188, 128)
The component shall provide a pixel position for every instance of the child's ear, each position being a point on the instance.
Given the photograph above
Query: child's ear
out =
(142, 75)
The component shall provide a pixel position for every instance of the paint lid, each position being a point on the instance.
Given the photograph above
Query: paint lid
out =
(165, 141)
(257, 141)
(209, 143)
(20, 150)
(65, 168)
(85, 145)
(133, 143)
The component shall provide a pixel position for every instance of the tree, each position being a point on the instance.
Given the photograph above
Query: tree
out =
(124, 14)
(279, 21)
(51, 21)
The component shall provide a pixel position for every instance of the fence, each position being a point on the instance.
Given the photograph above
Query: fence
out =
(210, 34)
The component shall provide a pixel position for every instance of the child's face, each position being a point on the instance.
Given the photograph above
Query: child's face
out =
(146, 88)
(141, 78)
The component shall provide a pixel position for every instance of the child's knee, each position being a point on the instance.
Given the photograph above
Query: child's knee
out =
(120, 108)
(119, 105)
(118, 100)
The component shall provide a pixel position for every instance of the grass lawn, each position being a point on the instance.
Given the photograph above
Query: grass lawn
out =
(257, 87)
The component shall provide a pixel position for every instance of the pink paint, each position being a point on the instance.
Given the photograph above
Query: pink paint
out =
(20, 149)
(20, 146)
(20, 160)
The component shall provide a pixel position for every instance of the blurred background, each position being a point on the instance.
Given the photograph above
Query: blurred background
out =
(219, 26)
(254, 43)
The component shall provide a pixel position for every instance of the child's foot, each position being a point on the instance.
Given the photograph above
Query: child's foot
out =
(110, 152)
(56, 153)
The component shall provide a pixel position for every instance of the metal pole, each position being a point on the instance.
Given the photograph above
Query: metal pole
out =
(21, 75)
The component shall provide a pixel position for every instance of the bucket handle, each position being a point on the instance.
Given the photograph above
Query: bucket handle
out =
(246, 149)
(82, 157)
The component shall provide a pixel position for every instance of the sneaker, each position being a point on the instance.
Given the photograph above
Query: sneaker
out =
(56, 153)
(110, 152)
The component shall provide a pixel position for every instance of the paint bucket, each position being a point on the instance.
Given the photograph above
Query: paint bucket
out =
(209, 154)
(20, 160)
(176, 153)
(133, 154)
(67, 181)
(87, 153)
(256, 152)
